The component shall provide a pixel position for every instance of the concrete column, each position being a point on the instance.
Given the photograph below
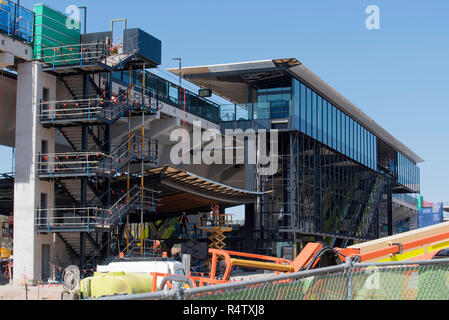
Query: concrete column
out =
(27, 189)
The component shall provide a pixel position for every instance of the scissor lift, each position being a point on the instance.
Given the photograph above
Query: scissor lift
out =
(217, 225)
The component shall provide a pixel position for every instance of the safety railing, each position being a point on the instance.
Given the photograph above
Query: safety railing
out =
(16, 21)
(256, 111)
(405, 280)
(94, 109)
(208, 220)
(171, 94)
(71, 164)
(81, 54)
(133, 249)
(67, 218)
(92, 217)
(75, 54)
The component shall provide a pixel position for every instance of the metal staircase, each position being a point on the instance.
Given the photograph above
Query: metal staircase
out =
(96, 218)
(96, 163)
(73, 136)
(72, 241)
(84, 112)
(92, 56)
(72, 189)
(74, 87)
(94, 111)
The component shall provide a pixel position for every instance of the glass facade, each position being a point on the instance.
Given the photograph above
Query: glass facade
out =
(329, 125)
(408, 173)
(336, 178)
(169, 93)
(315, 116)
(332, 195)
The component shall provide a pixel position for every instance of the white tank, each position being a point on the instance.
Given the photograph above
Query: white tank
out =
(146, 267)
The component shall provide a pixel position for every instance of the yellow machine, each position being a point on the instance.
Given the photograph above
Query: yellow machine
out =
(4, 253)
(217, 225)
(115, 283)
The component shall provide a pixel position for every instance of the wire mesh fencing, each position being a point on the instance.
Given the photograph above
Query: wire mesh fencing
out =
(415, 280)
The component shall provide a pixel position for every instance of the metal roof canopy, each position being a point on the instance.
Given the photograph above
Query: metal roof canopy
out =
(198, 191)
(230, 81)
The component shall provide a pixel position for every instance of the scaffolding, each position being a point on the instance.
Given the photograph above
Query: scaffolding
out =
(318, 195)
(90, 176)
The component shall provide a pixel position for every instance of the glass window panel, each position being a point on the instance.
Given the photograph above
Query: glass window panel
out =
(351, 141)
(344, 135)
(359, 143)
(356, 141)
(362, 145)
(303, 108)
(366, 147)
(309, 112)
(325, 124)
(314, 114)
(329, 123)
(320, 119)
(348, 134)
(375, 153)
(338, 130)
(369, 149)
(335, 128)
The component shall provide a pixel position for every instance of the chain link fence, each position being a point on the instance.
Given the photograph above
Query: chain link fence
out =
(415, 280)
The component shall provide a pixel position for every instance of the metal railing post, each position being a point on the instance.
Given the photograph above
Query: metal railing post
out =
(349, 265)
(177, 289)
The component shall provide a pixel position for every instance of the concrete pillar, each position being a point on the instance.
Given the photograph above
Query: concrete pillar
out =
(6, 60)
(28, 188)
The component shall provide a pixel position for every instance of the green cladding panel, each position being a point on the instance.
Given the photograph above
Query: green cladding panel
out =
(50, 31)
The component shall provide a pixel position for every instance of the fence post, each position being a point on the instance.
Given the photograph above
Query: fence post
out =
(177, 289)
(349, 266)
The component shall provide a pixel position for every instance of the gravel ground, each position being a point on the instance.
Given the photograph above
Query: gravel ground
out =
(11, 292)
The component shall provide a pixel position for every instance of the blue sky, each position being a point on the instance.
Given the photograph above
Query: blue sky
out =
(397, 75)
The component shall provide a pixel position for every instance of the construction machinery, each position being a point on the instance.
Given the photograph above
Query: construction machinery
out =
(216, 225)
(421, 244)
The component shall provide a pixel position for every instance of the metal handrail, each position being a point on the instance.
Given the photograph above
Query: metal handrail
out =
(95, 216)
(92, 108)
(82, 52)
(97, 162)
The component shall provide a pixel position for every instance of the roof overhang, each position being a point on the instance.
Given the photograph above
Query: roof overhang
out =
(193, 191)
(230, 81)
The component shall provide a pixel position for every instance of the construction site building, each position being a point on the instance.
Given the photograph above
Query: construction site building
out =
(91, 123)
